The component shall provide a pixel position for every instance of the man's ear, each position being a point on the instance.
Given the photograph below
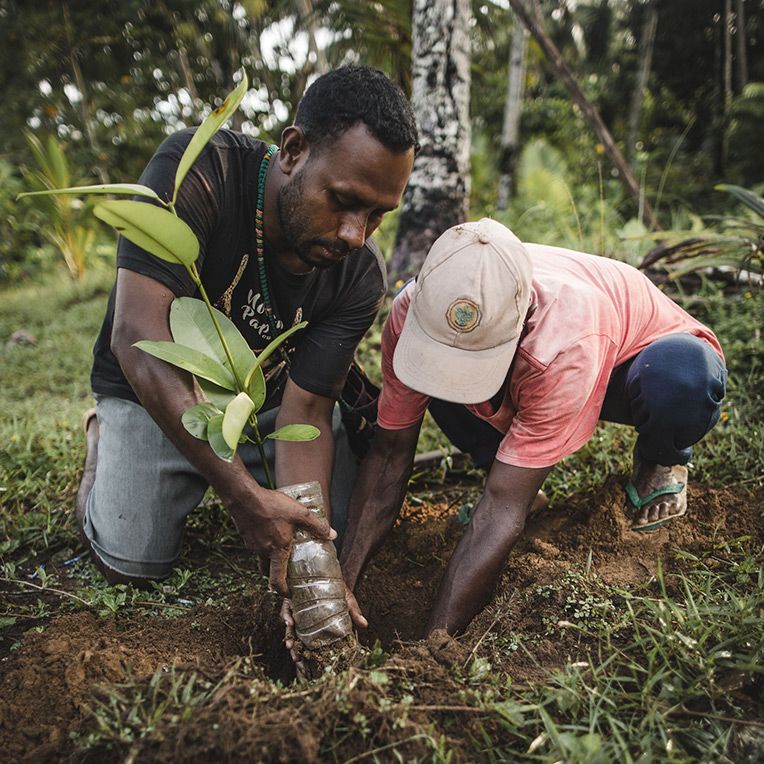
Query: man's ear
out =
(294, 149)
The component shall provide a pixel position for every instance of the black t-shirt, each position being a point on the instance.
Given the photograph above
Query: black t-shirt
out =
(217, 199)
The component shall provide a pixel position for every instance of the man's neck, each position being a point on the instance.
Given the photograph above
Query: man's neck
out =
(275, 241)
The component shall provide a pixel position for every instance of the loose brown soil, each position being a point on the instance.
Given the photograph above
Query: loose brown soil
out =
(56, 683)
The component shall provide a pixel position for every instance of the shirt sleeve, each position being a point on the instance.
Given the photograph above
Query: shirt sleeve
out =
(558, 408)
(399, 406)
(197, 205)
(324, 352)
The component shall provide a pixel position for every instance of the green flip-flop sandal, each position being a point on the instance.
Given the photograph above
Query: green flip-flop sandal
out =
(638, 502)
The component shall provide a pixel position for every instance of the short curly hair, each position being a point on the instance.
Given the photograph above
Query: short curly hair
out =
(339, 99)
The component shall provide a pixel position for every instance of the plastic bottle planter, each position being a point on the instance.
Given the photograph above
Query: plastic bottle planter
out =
(315, 579)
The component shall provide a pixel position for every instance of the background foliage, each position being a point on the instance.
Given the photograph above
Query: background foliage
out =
(110, 81)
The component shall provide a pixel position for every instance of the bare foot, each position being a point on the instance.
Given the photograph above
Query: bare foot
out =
(650, 478)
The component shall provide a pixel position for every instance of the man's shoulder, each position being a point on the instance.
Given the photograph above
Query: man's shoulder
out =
(375, 256)
(366, 266)
(223, 140)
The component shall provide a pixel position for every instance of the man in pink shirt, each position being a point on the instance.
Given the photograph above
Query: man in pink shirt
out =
(518, 350)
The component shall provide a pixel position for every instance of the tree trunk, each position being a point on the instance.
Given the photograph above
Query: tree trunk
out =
(742, 52)
(188, 76)
(316, 57)
(437, 196)
(726, 80)
(591, 115)
(646, 46)
(512, 110)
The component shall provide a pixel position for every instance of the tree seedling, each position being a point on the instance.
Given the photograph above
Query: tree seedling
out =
(205, 343)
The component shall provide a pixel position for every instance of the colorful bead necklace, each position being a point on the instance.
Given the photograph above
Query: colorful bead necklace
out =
(260, 239)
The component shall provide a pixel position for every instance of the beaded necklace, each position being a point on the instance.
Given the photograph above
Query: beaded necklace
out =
(260, 239)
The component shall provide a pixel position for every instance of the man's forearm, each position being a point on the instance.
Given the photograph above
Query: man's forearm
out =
(306, 461)
(303, 461)
(141, 312)
(475, 567)
(166, 393)
(377, 498)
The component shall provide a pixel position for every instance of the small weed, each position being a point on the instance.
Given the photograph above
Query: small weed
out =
(583, 602)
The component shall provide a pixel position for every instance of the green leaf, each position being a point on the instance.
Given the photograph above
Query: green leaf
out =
(216, 439)
(218, 396)
(189, 359)
(192, 326)
(154, 229)
(207, 129)
(196, 418)
(57, 162)
(236, 415)
(39, 156)
(6, 621)
(130, 189)
(271, 347)
(751, 200)
(295, 432)
(256, 387)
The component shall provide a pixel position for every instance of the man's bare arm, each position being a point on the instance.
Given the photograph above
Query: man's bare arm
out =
(377, 497)
(266, 519)
(312, 460)
(474, 568)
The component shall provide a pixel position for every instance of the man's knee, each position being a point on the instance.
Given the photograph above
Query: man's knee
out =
(678, 376)
(675, 387)
(143, 489)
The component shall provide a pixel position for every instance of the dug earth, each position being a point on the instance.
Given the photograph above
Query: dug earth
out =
(91, 688)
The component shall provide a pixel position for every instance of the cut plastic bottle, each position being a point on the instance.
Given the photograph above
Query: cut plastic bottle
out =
(314, 578)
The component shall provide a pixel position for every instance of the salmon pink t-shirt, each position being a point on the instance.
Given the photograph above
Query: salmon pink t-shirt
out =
(592, 314)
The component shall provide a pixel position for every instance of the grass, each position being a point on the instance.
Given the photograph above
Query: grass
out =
(669, 691)
(43, 391)
(674, 670)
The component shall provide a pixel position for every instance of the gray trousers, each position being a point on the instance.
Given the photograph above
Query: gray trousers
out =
(145, 488)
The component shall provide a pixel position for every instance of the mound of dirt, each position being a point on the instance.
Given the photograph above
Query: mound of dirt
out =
(50, 686)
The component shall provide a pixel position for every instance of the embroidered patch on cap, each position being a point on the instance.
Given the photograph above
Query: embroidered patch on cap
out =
(463, 315)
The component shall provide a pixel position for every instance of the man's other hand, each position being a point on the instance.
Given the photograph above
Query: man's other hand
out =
(355, 611)
(267, 523)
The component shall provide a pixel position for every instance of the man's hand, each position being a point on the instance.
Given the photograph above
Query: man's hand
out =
(267, 522)
(290, 637)
(355, 611)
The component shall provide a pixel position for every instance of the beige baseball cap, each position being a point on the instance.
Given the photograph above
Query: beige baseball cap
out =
(466, 315)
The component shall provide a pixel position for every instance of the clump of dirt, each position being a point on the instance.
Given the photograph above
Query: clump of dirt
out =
(51, 686)
(590, 532)
(338, 656)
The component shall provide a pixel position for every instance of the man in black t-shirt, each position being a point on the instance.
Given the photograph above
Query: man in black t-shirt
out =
(338, 170)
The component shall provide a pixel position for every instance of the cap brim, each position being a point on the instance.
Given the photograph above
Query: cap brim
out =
(449, 373)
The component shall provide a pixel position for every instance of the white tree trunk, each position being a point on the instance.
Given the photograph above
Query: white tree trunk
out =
(512, 112)
(437, 196)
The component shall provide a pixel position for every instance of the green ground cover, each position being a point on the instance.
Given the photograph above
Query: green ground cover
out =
(663, 661)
